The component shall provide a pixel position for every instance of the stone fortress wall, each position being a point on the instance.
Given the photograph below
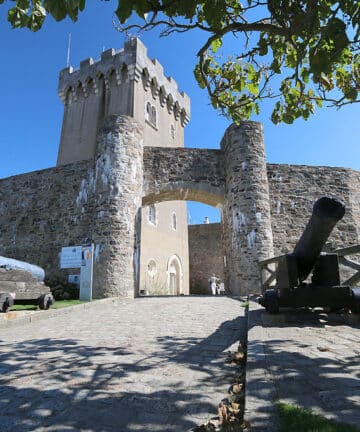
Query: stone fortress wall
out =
(294, 189)
(94, 201)
(42, 211)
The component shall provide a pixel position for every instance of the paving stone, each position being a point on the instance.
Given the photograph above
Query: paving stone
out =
(297, 361)
(121, 367)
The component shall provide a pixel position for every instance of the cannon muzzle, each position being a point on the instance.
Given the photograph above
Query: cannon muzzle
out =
(326, 213)
(14, 264)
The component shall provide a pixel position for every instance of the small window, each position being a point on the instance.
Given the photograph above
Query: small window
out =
(172, 131)
(174, 221)
(148, 111)
(150, 115)
(152, 214)
(153, 119)
(151, 268)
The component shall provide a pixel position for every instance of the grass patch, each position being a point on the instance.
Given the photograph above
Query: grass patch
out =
(57, 305)
(303, 420)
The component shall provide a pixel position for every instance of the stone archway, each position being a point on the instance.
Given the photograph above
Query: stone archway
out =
(130, 176)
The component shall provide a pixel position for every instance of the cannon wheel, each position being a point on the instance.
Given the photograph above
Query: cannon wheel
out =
(355, 307)
(7, 304)
(272, 302)
(45, 301)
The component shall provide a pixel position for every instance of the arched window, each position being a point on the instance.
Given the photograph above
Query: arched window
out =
(148, 111)
(150, 114)
(174, 221)
(152, 214)
(153, 119)
(151, 268)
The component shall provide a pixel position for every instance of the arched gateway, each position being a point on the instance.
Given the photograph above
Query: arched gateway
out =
(233, 178)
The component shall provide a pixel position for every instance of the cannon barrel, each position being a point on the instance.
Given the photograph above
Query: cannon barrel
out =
(326, 213)
(14, 264)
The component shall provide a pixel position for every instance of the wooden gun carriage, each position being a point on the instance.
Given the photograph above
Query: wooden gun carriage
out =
(309, 276)
(22, 283)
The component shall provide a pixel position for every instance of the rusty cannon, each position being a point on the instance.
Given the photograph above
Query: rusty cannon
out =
(22, 283)
(309, 277)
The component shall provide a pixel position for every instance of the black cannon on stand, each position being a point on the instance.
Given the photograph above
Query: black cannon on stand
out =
(294, 287)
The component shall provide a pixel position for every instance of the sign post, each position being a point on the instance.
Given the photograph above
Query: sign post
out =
(80, 257)
(86, 273)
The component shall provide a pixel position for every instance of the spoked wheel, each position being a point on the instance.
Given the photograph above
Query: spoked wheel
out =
(45, 301)
(271, 302)
(7, 304)
(355, 307)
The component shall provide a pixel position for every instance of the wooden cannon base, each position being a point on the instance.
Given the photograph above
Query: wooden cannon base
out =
(42, 299)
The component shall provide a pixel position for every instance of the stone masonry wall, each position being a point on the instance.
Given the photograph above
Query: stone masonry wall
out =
(205, 255)
(246, 213)
(90, 201)
(293, 191)
(42, 211)
(183, 173)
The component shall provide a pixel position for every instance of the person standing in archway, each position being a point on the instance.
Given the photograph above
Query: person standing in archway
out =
(212, 283)
(221, 288)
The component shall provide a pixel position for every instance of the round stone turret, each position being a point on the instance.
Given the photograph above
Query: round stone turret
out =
(246, 215)
(117, 205)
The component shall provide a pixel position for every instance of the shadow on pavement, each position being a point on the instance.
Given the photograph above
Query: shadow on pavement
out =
(312, 360)
(91, 388)
(82, 394)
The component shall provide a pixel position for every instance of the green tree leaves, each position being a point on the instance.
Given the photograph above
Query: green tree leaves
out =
(300, 53)
(32, 13)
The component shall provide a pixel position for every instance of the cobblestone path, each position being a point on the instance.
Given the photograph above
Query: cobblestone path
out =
(153, 364)
(313, 360)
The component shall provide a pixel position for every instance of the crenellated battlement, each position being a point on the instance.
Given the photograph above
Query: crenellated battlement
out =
(128, 64)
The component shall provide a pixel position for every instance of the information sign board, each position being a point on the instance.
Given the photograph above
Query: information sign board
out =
(71, 257)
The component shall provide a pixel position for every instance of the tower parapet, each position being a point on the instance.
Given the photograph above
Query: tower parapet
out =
(124, 82)
(130, 63)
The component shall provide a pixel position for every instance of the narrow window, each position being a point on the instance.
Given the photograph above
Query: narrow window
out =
(148, 112)
(150, 115)
(174, 221)
(153, 116)
(172, 131)
(152, 214)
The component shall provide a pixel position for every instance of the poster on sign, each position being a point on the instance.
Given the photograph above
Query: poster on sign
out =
(71, 257)
(86, 272)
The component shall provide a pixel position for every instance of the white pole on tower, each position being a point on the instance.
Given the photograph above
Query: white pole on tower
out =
(68, 51)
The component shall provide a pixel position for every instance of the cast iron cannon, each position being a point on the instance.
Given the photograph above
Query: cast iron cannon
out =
(22, 283)
(293, 287)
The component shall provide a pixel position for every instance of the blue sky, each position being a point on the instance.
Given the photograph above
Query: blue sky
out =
(31, 116)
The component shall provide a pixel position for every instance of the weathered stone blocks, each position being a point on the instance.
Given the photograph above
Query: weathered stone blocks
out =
(246, 215)
(118, 184)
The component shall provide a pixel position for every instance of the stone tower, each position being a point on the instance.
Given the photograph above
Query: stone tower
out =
(128, 83)
(246, 213)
